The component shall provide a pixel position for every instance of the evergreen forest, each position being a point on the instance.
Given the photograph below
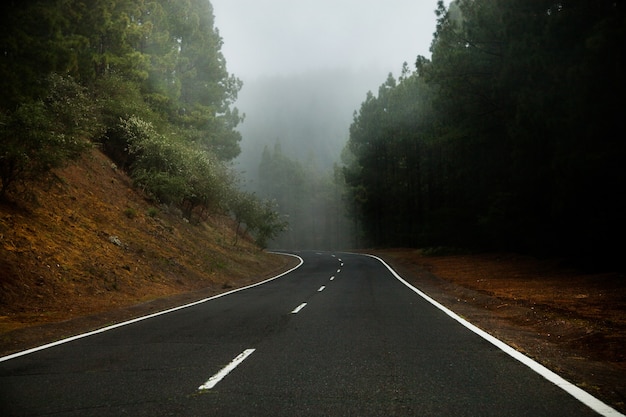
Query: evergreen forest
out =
(506, 138)
(145, 81)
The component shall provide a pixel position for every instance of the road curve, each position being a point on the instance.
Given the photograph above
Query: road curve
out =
(341, 335)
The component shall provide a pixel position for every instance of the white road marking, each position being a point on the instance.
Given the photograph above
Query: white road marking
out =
(126, 323)
(297, 309)
(332, 278)
(321, 288)
(339, 270)
(341, 264)
(578, 393)
(215, 379)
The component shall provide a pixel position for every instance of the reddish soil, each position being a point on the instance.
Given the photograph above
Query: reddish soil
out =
(62, 273)
(87, 243)
(572, 322)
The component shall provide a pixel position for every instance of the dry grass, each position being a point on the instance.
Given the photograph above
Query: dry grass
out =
(89, 242)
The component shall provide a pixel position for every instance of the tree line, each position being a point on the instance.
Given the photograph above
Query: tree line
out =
(312, 197)
(508, 137)
(144, 80)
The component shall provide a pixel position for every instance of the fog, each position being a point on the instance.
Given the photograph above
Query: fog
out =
(308, 114)
(306, 67)
(286, 37)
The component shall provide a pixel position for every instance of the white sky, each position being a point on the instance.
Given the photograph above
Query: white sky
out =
(286, 37)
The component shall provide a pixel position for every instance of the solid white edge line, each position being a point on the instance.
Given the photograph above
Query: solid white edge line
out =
(297, 309)
(135, 320)
(578, 393)
(215, 379)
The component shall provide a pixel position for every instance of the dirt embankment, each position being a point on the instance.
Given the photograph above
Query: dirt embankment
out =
(88, 242)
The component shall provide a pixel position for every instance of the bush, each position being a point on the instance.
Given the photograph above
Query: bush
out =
(131, 213)
(44, 134)
(119, 100)
(271, 223)
(260, 217)
(173, 171)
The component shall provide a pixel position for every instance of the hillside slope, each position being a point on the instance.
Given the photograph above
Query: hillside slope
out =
(89, 242)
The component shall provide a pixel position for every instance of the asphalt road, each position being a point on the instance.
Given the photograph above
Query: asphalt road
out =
(338, 336)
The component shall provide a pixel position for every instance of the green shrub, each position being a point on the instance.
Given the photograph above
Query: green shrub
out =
(46, 133)
(131, 213)
(152, 212)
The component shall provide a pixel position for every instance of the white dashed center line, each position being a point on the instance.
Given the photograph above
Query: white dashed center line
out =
(297, 309)
(226, 370)
(332, 278)
(321, 288)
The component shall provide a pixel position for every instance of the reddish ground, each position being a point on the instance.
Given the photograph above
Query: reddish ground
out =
(87, 242)
(572, 322)
(61, 273)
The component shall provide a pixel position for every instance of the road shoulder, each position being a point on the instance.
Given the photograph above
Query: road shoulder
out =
(544, 333)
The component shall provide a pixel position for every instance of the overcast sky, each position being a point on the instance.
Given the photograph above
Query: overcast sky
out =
(286, 37)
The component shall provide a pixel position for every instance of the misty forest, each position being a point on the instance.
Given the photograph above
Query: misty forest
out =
(506, 138)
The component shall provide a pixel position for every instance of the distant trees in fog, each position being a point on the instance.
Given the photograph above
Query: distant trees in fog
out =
(312, 198)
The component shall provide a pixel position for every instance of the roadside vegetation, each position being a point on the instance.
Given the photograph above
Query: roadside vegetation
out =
(91, 242)
(117, 135)
(146, 82)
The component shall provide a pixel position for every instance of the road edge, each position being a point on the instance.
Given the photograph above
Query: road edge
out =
(149, 316)
(581, 395)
